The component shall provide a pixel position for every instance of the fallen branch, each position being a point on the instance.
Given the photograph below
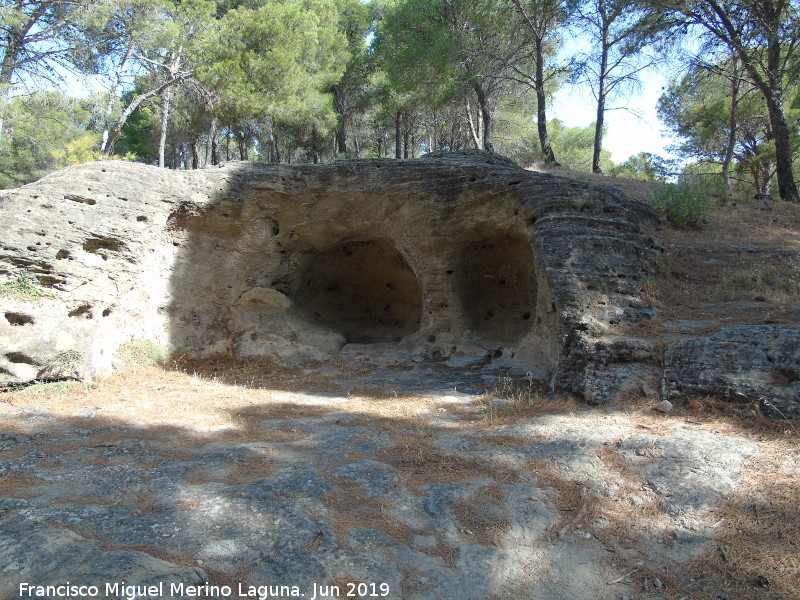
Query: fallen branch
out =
(623, 578)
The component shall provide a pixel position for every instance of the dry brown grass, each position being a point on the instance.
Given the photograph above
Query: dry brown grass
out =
(506, 441)
(512, 400)
(353, 509)
(182, 560)
(249, 469)
(445, 551)
(481, 516)
(713, 275)
(18, 486)
(15, 453)
(420, 463)
(141, 504)
(413, 583)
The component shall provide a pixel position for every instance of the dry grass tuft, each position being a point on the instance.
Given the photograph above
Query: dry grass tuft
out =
(249, 469)
(445, 551)
(18, 486)
(347, 587)
(419, 462)
(513, 400)
(141, 353)
(506, 441)
(141, 504)
(481, 516)
(737, 417)
(353, 510)
(251, 375)
(38, 391)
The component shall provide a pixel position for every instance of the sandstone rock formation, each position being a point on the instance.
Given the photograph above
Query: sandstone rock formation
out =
(453, 254)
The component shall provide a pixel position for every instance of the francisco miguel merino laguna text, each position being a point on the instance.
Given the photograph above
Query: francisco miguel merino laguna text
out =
(120, 589)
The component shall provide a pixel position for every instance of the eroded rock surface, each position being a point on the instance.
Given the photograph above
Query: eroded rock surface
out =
(316, 488)
(750, 363)
(456, 254)
(36, 553)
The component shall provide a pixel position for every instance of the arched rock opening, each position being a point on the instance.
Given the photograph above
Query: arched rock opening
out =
(497, 286)
(364, 290)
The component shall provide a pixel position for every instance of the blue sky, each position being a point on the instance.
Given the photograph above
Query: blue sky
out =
(628, 133)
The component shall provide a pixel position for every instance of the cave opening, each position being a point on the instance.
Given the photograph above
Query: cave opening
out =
(364, 290)
(497, 286)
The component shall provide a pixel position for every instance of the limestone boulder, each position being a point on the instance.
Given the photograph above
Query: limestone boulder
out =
(747, 363)
(454, 254)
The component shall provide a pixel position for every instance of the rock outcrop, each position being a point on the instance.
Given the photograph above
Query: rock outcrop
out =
(747, 363)
(453, 254)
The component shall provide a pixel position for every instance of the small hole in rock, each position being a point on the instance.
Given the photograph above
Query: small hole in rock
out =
(19, 319)
(20, 358)
(84, 310)
(105, 243)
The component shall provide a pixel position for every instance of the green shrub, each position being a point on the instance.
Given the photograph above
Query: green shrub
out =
(685, 205)
(141, 353)
(24, 289)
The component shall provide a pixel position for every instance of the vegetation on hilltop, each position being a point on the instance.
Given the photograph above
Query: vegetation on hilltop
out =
(187, 83)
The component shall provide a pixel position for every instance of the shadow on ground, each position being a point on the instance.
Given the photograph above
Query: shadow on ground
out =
(419, 489)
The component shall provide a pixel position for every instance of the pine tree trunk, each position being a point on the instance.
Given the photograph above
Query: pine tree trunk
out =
(241, 142)
(472, 129)
(601, 107)
(340, 109)
(13, 44)
(486, 115)
(398, 140)
(732, 126)
(162, 143)
(783, 147)
(769, 81)
(541, 112)
(135, 103)
(6, 72)
(214, 140)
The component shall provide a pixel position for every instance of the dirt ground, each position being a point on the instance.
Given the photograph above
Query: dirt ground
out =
(439, 480)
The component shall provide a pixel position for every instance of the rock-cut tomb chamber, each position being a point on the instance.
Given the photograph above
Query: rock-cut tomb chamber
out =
(453, 255)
